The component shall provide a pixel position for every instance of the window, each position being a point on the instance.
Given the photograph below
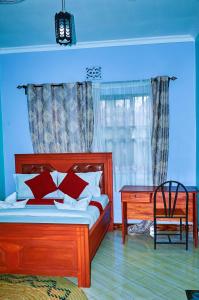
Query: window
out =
(123, 127)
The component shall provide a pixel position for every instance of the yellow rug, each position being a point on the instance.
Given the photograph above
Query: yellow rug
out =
(24, 287)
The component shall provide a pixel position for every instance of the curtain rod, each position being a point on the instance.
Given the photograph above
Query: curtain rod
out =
(137, 80)
(61, 84)
(170, 78)
(36, 85)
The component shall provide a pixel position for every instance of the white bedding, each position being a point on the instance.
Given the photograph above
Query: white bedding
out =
(50, 214)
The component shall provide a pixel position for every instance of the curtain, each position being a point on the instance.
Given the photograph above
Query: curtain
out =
(159, 139)
(123, 126)
(160, 128)
(123, 121)
(61, 117)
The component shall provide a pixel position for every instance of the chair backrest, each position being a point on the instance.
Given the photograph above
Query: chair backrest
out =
(166, 195)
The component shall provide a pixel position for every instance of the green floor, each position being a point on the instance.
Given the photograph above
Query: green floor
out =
(137, 272)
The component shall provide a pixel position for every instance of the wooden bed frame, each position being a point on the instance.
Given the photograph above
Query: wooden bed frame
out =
(57, 249)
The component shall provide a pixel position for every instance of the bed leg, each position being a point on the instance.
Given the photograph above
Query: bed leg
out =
(84, 280)
(84, 263)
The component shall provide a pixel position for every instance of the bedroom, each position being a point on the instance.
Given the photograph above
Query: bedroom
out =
(176, 55)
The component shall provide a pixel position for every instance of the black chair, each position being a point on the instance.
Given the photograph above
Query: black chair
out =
(168, 206)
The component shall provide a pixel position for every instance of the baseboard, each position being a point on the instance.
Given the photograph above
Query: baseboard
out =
(163, 227)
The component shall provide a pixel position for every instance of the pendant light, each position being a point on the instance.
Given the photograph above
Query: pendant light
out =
(64, 27)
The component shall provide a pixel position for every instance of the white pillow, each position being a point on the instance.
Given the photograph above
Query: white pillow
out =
(23, 191)
(91, 189)
(60, 177)
(93, 179)
(72, 204)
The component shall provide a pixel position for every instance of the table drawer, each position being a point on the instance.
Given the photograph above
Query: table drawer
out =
(139, 211)
(137, 197)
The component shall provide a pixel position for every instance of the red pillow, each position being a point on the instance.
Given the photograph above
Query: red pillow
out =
(72, 185)
(41, 185)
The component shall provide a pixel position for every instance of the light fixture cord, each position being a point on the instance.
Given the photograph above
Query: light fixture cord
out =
(63, 5)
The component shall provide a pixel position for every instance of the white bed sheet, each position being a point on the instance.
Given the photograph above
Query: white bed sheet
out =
(50, 214)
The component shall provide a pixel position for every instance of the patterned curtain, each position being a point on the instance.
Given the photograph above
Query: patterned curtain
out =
(61, 117)
(160, 128)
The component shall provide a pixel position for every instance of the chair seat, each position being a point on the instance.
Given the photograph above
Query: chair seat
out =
(178, 213)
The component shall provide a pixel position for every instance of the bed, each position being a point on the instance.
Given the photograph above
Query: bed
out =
(57, 249)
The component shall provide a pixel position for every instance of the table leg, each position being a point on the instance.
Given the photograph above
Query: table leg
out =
(195, 220)
(124, 221)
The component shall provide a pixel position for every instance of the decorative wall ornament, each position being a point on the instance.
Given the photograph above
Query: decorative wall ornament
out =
(94, 73)
(10, 1)
(64, 27)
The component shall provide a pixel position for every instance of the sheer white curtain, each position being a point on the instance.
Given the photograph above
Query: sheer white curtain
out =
(123, 121)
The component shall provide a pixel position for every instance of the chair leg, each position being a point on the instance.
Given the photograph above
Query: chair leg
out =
(155, 234)
(187, 234)
(180, 228)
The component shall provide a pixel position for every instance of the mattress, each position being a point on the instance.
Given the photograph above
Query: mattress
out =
(50, 214)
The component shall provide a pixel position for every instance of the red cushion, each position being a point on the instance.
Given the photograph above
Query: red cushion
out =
(72, 185)
(41, 185)
(43, 201)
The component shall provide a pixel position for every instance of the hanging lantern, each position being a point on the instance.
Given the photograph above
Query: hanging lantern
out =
(63, 26)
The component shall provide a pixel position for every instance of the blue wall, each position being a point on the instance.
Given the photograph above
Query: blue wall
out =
(2, 181)
(197, 109)
(118, 63)
(197, 113)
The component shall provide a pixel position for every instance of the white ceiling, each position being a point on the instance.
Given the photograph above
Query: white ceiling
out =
(31, 23)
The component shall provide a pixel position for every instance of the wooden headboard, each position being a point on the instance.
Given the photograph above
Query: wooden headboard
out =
(63, 162)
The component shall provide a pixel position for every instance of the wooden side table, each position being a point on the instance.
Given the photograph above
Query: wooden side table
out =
(137, 204)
